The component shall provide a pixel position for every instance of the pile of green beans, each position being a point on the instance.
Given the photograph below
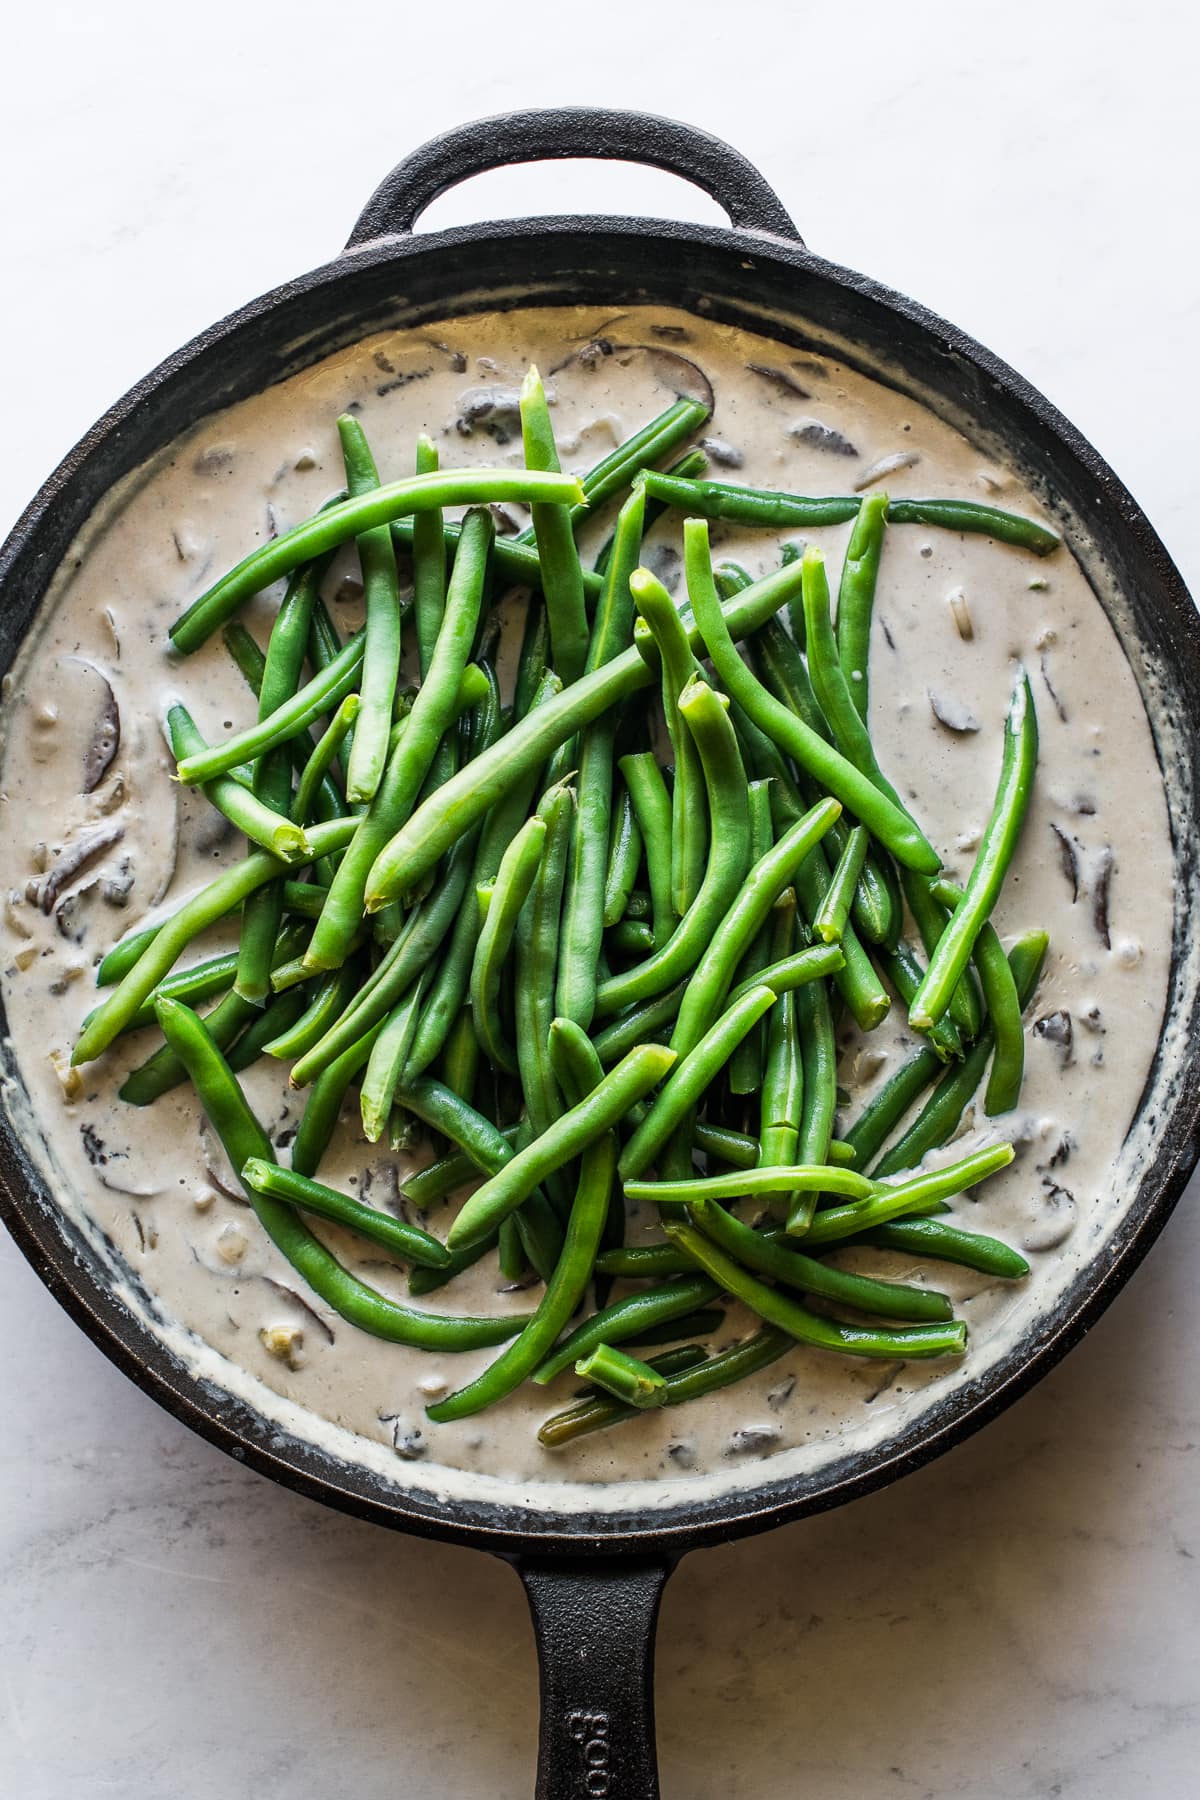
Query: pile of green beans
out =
(593, 943)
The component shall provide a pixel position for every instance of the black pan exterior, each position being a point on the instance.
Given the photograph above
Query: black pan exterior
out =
(765, 283)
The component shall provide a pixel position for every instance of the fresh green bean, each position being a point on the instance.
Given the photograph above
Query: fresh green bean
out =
(322, 694)
(441, 1177)
(163, 1070)
(834, 912)
(537, 940)
(420, 844)
(696, 1069)
(513, 562)
(688, 1379)
(316, 769)
(576, 1129)
(746, 1063)
(652, 809)
(764, 883)
(582, 927)
(933, 1237)
(421, 938)
(628, 1379)
(563, 1292)
(856, 980)
(381, 653)
(409, 762)
(964, 1010)
(406, 1241)
(561, 575)
(451, 984)
(776, 1308)
(244, 1139)
(996, 849)
(743, 1184)
(624, 859)
(667, 633)
(782, 1096)
(261, 823)
(174, 935)
(890, 824)
(1004, 1009)
(279, 1015)
(428, 562)
(577, 1068)
(652, 442)
(282, 667)
(856, 596)
(627, 1319)
(707, 716)
(902, 966)
(919, 1194)
(322, 1109)
(763, 1252)
(332, 995)
(350, 518)
(938, 1119)
(888, 1106)
(461, 1057)
(385, 1065)
(764, 506)
(639, 1025)
(518, 870)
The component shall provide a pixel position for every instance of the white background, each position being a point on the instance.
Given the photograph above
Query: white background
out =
(1019, 1619)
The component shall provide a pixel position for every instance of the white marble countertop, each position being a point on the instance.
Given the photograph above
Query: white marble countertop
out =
(1021, 1618)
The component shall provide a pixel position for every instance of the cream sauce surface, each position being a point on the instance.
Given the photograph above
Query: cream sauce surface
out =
(954, 614)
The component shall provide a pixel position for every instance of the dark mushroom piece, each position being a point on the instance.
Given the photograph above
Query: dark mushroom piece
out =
(1068, 861)
(73, 858)
(1101, 883)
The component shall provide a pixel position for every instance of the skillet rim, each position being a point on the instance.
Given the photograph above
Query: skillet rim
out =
(513, 1531)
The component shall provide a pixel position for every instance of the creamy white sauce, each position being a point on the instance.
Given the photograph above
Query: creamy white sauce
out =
(147, 1187)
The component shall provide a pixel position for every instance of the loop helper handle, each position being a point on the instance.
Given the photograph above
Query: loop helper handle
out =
(565, 132)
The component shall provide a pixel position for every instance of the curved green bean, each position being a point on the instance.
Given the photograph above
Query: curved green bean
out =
(766, 506)
(707, 716)
(763, 1252)
(889, 823)
(776, 1308)
(445, 815)
(518, 870)
(856, 596)
(996, 849)
(350, 518)
(571, 1133)
(764, 882)
(173, 936)
(561, 575)
(563, 1292)
(626, 1320)
(695, 1071)
(407, 1241)
(243, 1139)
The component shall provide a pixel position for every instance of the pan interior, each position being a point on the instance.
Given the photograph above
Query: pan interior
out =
(884, 1414)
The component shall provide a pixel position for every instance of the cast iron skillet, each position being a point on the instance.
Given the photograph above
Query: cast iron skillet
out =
(595, 1580)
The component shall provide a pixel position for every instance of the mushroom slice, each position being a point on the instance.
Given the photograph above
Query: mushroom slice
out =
(685, 378)
(72, 858)
(887, 465)
(951, 714)
(782, 379)
(819, 436)
(90, 725)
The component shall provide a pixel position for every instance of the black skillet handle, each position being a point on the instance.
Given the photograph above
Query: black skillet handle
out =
(571, 131)
(595, 1620)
